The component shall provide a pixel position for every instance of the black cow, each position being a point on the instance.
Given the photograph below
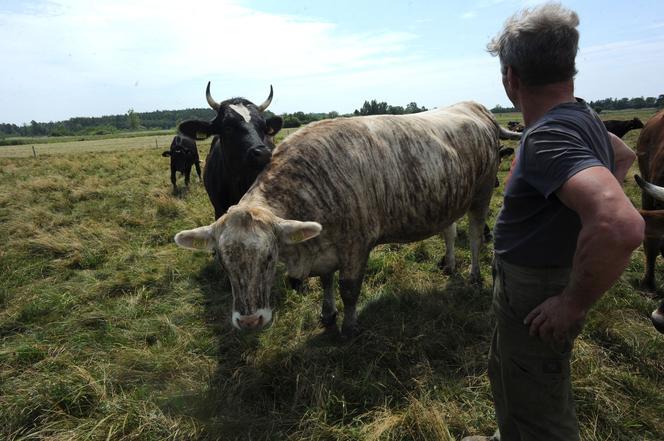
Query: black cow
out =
(515, 126)
(183, 155)
(620, 128)
(242, 146)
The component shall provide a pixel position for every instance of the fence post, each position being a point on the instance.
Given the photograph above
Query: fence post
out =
(155, 143)
(34, 153)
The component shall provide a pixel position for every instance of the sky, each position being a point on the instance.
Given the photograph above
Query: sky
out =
(68, 58)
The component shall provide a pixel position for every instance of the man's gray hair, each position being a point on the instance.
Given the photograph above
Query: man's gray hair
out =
(539, 44)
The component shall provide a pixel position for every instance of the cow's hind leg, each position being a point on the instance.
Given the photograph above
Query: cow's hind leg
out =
(187, 173)
(448, 262)
(477, 214)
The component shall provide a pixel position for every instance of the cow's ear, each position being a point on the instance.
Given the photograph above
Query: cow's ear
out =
(166, 153)
(195, 129)
(291, 231)
(201, 238)
(274, 124)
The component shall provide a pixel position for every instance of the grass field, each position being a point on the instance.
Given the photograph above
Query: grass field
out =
(111, 332)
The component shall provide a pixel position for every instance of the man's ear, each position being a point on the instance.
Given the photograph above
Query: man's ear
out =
(200, 238)
(166, 153)
(512, 78)
(274, 124)
(195, 129)
(291, 232)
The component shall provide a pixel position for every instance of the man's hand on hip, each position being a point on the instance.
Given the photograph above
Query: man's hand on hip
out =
(555, 320)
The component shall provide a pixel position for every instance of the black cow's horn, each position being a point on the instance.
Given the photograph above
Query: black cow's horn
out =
(267, 102)
(211, 102)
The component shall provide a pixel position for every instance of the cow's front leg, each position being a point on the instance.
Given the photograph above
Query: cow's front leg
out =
(175, 187)
(197, 164)
(351, 276)
(328, 315)
(651, 247)
(350, 292)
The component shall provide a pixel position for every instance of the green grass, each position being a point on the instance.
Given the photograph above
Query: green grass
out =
(642, 114)
(111, 332)
(21, 140)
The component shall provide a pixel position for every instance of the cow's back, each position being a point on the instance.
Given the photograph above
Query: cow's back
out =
(385, 178)
(650, 149)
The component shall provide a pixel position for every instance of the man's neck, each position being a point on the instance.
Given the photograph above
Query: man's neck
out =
(535, 102)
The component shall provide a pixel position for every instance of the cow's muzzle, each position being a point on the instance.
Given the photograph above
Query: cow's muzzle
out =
(255, 321)
(259, 155)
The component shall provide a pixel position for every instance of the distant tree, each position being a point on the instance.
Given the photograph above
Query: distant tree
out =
(332, 114)
(291, 121)
(133, 120)
(412, 108)
(660, 102)
(500, 109)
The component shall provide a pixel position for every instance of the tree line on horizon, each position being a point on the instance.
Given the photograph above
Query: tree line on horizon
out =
(169, 119)
(609, 104)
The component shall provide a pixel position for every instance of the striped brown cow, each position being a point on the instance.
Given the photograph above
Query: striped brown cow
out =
(337, 188)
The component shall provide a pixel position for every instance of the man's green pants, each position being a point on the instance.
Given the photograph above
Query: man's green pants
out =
(530, 379)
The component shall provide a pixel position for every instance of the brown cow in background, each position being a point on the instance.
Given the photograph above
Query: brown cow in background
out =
(650, 153)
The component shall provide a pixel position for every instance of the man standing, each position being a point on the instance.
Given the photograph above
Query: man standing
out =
(564, 235)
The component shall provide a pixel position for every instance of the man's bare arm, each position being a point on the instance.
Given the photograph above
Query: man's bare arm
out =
(623, 156)
(611, 229)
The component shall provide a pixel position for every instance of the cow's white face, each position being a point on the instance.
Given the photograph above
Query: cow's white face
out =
(248, 243)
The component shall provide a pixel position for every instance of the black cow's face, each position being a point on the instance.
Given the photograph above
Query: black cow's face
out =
(246, 136)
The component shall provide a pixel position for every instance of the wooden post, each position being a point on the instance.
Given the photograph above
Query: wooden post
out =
(155, 143)
(34, 153)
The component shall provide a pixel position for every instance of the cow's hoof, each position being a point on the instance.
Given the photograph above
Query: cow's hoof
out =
(295, 284)
(331, 332)
(349, 332)
(476, 280)
(328, 322)
(648, 285)
(657, 318)
(444, 267)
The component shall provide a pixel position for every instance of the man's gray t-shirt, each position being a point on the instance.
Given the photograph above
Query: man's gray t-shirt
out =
(534, 228)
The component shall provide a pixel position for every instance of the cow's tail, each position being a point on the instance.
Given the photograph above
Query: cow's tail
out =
(508, 134)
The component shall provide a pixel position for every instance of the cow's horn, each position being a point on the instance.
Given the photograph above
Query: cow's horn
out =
(267, 102)
(653, 190)
(211, 102)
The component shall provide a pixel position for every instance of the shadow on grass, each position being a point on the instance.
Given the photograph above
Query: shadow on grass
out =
(280, 382)
(180, 192)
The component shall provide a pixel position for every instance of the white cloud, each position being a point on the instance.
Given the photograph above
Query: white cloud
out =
(626, 68)
(141, 50)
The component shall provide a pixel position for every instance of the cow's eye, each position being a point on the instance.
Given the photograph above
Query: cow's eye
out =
(228, 130)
